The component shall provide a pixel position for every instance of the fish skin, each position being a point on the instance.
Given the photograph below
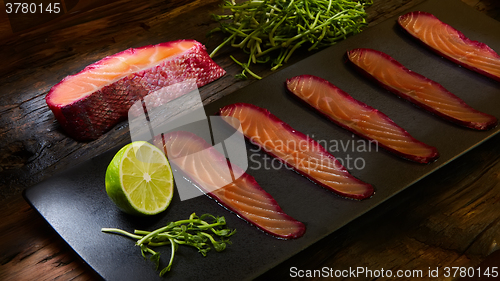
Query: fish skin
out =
(411, 86)
(90, 117)
(242, 196)
(362, 119)
(474, 55)
(342, 182)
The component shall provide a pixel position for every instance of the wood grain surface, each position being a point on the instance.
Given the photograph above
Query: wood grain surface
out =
(451, 218)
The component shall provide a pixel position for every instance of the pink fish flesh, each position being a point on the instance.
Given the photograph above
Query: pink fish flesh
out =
(295, 149)
(359, 118)
(208, 169)
(418, 89)
(91, 102)
(451, 43)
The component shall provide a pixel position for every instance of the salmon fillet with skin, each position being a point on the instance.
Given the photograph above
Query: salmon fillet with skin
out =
(359, 118)
(91, 102)
(207, 168)
(418, 89)
(295, 149)
(451, 43)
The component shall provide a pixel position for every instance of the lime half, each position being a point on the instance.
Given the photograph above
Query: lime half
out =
(139, 179)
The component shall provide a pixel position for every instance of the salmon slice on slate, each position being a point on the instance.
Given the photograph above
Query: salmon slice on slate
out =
(302, 153)
(359, 118)
(418, 89)
(208, 169)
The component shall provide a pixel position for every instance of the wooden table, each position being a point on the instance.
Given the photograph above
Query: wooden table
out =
(451, 218)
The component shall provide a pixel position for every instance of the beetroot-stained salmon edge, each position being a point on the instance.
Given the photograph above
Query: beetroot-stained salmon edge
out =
(61, 111)
(422, 160)
(301, 228)
(75, 109)
(127, 51)
(472, 125)
(478, 44)
(370, 190)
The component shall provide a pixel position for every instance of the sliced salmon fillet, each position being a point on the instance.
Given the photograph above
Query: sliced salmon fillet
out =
(451, 43)
(359, 118)
(204, 165)
(295, 149)
(418, 89)
(92, 101)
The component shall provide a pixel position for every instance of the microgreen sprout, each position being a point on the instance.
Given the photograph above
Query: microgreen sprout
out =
(196, 231)
(272, 30)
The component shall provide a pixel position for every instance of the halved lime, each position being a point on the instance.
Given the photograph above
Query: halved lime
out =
(139, 179)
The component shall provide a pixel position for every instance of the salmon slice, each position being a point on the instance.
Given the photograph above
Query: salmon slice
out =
(359, 118)
(295, 149)
(89, 103)
(208, 169)
(418, 89)
(451, 43)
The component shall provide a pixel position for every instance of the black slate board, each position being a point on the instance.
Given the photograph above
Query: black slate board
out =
(75, 204)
